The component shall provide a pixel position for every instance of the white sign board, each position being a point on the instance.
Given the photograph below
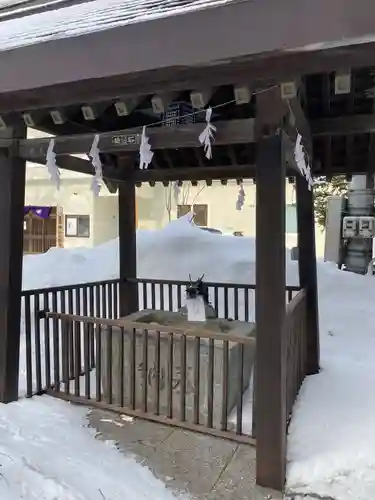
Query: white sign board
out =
(195, 309)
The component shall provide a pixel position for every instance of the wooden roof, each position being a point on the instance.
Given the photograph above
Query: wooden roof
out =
(62, 54)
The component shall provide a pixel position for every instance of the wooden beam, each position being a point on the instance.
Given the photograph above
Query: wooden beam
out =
(12, 195)
(194, 173)
(270, 411)
(228, 132)
(307, 270)
(270, 398)
(127, 246)
(343, 125)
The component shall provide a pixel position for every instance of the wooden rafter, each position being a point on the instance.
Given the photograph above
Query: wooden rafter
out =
(228, 132)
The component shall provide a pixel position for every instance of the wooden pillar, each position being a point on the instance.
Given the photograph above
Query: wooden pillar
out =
(12, 197)
(270, 313)
(307, 269)
(127, 247)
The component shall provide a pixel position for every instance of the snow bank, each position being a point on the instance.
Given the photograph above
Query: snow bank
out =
(176, 251)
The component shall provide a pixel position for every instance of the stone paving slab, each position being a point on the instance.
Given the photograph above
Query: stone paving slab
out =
(196, 466)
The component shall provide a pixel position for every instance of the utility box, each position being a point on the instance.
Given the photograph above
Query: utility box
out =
(350, 227)
(366, 227)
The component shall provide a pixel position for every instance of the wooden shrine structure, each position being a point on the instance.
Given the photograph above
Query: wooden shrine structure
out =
(266, 61)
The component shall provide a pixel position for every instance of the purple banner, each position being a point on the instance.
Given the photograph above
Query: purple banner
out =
(42, 212)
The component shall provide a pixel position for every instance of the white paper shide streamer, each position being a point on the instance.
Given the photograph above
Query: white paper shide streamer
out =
(97, 179)
(299, 156)
(241, 197)
(207, 136)
(53, 169)
(145, 153)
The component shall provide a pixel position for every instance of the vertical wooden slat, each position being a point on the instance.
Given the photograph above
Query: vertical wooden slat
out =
(170, 297)
(84, 301)
(145, 370)
(77, 357)
(161, 296)
(240, 348)
(98, 362)
(121, 372)
(246, 303)
(56, 345)
(98, 312)
(47, 339)
(71, 336)
(65, 327)
(196, 407)
(183, 378)
(110, 301)
(145, 295)
(157, 374)
(104, 301)
(86, 357)
(108, 363)
(236, 312)
(38, 355)
(77, 335)
(170, 375)
(216, 300)
(29, 362)
(226, 303)
(92, 330)
(225, 381)
(210, 383)
(153, 296)
(132, 367)
(115, 300)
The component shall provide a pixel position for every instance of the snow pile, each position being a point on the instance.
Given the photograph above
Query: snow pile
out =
(176, 251)
(332, 436)
(45, 454)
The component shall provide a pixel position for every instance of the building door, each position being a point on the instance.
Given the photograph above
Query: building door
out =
(39, 234)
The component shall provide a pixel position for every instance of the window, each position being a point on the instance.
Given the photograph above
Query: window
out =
(77, 226)
(291, 219)
(200, 211)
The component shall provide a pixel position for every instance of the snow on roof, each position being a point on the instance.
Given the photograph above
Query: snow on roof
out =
(88, 17)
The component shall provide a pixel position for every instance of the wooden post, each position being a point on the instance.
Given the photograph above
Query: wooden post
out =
(12, 196)
(127, 248)
(270, 313)
(307, 269)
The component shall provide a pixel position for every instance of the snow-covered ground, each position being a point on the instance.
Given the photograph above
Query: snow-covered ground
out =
(46, 454)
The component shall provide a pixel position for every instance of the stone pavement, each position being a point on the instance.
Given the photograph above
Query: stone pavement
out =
(191, 464)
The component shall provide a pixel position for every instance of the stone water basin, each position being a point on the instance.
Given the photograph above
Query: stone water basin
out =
(156, 320)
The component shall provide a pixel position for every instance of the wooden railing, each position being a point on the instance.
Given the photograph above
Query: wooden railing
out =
(101, 300)
(296, 348)
(188, 378)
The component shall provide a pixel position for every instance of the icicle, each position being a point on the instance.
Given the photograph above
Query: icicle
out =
(97, 179)
(241, 198)
(145, 153)
(207, 135)
(53, 169)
